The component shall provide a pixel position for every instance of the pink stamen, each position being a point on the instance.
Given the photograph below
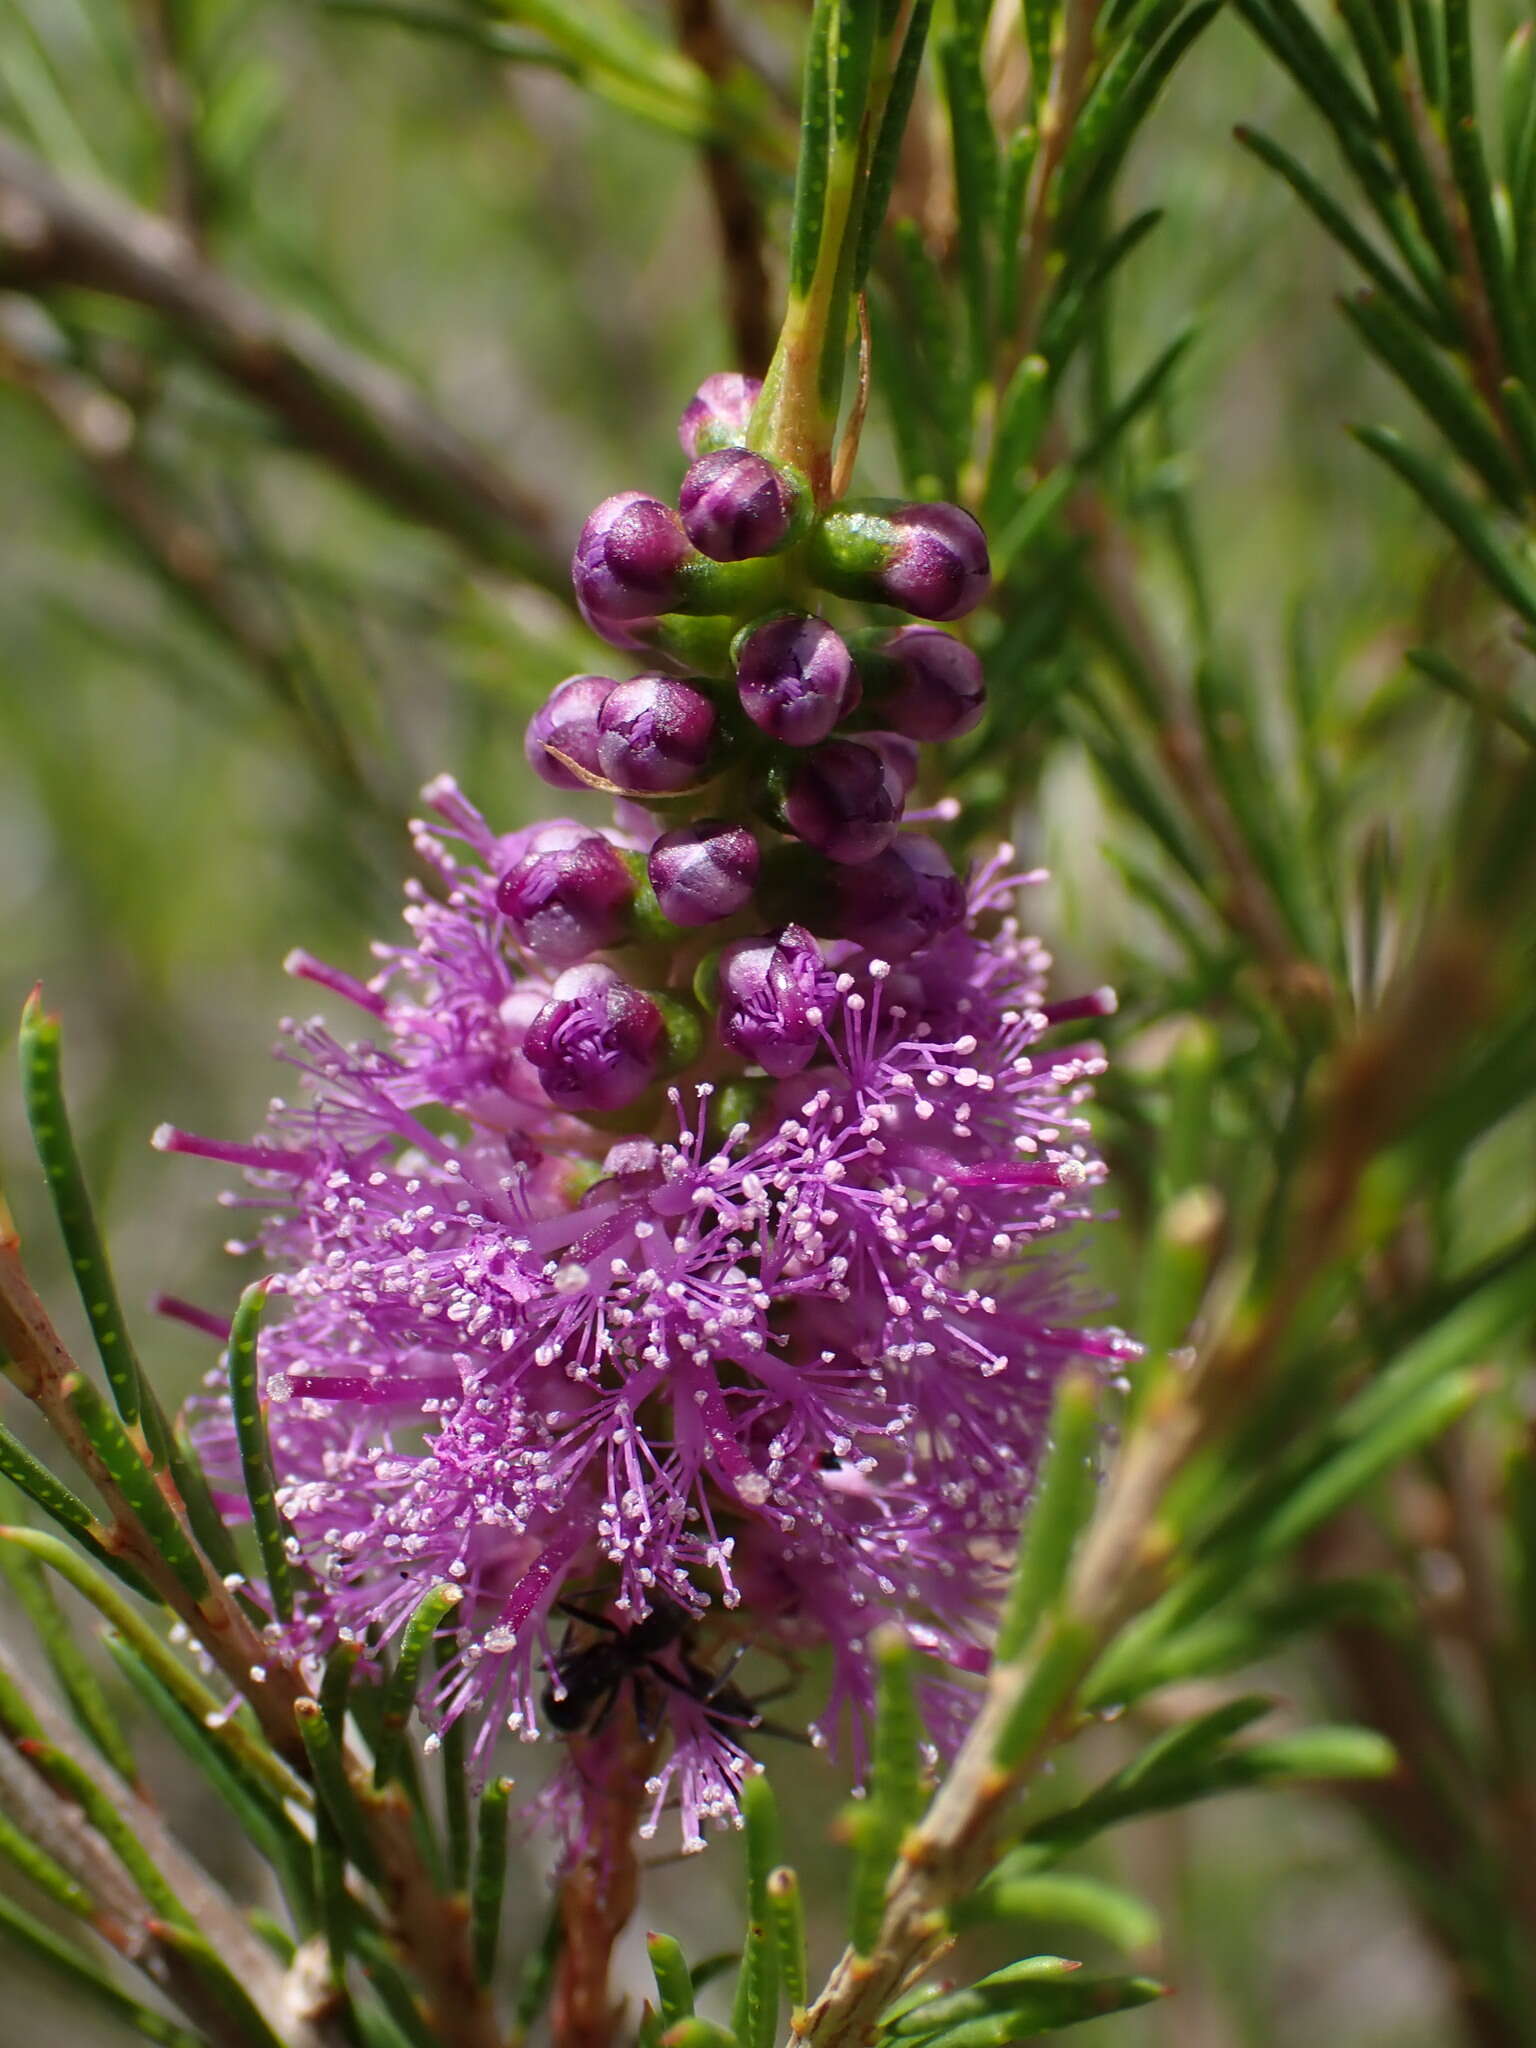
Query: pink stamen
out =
(178, 1311)
(259, 1158)
(305, 967)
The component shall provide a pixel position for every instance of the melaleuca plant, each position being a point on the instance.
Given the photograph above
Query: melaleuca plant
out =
(669, 1368)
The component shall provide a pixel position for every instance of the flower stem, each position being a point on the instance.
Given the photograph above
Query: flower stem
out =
(598, 1889)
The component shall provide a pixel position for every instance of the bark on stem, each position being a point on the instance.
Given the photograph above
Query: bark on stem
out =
(601, 1881)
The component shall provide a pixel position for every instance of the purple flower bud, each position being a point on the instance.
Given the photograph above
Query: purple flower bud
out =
(775, 993)
(898, 753)
(926, 684)
(704, 871)
(718, 413)
(845, 800)
(737, 505)
(627, 560)
(900, 901)
(796, 678)
(597, 1043)
(930, 560)
(568, 721)
(655, 736)
(569, 902)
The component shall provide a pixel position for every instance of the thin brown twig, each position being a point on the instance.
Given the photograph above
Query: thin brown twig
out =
(739, 223)
(1070, 74)
(170, 96)
(352, 412)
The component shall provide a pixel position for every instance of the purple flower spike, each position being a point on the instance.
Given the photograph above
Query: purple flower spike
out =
(627, 560)
(569, 902)
(775, 995)
(796, 678)
(930, 560)
(568, 722)
(900, 901)
(597, 1043)
(655, 736)
(844, 799)
(927, 684)
(737, 505)
(718, 413)
(704, 871)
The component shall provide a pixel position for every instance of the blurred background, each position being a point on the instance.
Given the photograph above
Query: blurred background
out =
(235, 641)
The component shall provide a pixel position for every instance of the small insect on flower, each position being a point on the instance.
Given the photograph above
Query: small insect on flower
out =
(655, 1653)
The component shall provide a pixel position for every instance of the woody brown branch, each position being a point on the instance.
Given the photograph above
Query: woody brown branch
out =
(351, 412)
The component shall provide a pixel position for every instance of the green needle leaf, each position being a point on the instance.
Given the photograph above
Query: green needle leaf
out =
(1456, 512)
(255, 1451)
(1106, 1910)
(67, 1509)
(332, 1789)
(674, 1985)
(756, 2012)
(786, 1909)
(245, 1749)
(43, 1093)
(1064, 1496)
(39, 1868)
(81, 1687)
(71, 1778)
(490, 1876)
(405, 1680)
(895, 1792)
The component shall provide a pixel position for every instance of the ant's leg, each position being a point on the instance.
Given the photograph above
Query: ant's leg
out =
(650, 1707)
(776, 1692)
(610, 1701)
(778, 1729)
(722, 1677)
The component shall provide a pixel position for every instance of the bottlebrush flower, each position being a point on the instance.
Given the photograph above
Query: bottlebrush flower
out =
(791, 1375)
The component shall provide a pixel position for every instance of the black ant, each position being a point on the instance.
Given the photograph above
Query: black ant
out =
(586, 1680)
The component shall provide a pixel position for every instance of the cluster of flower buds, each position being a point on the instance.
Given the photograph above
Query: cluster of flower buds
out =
(776, 748)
